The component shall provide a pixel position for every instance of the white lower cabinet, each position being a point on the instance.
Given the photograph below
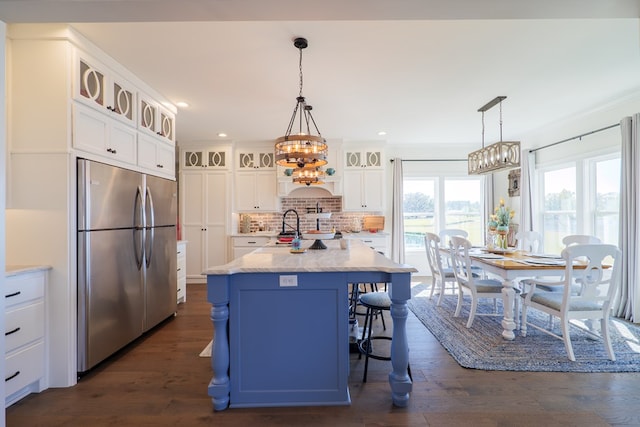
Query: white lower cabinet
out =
(244, 244)
(182, 271)
(25, 335)
(376, 241)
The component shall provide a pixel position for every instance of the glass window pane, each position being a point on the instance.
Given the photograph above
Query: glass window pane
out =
(463, 208)
(607, 199)
(559, 213)
(419, 208)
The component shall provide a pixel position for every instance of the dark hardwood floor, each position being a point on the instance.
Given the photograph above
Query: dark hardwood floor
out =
(161, 381)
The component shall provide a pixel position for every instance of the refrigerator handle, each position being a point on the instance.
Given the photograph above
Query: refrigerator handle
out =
(138, 227)
(150, 208)
(151, 228)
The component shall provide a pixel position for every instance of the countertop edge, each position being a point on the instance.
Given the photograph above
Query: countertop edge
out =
(276, 270)
(14, 270)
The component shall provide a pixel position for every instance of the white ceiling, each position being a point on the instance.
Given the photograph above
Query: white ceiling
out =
(417, 69)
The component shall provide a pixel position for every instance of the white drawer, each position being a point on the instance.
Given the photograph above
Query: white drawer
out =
(23, 287)
(24, 325)
(24, 367)
(254, 241)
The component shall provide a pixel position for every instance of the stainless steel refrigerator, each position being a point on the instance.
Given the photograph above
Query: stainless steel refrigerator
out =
(126, 257)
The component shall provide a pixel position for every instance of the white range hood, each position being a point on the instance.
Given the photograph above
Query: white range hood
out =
(332, 186)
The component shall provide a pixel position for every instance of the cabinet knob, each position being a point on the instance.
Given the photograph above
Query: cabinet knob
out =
(159, 166)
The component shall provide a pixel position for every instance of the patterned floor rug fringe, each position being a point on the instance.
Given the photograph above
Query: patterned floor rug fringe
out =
(482, 347)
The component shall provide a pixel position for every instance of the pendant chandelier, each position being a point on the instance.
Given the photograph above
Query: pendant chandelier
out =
(299, 148)
(497, 156)
(308, 175)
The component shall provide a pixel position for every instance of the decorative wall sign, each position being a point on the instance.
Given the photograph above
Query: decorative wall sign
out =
(514, 183)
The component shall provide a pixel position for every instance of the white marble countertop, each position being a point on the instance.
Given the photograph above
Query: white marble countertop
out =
(256, 233)
(363, 234)
(278, 259)
(14, 270)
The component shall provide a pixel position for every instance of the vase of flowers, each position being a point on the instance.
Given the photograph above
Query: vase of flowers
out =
(499, 224)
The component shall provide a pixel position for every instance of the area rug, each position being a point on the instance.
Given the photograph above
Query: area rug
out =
(207, 350)
(482, 346)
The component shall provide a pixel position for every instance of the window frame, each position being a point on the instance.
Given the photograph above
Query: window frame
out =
(586, 182)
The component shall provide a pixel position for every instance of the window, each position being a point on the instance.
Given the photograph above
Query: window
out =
(559, 208)
(434, 203)
(462, 207)
(580, 197)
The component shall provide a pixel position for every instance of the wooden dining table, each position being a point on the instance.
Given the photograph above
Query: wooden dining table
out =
(512, 266)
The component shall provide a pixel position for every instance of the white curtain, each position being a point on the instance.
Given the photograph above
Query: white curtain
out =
(397, 215)
(627, 302)
(527, 192)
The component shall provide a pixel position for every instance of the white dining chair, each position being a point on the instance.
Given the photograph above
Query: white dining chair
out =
(440, 275)
(529, 241)
(598, 286)
(469, 284)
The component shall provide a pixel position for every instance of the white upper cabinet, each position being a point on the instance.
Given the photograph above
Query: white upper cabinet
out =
(213, 158)
(364, 185)
(251, 160)
(363, 190)
(256, 191)
(156, 155)
(97, 86)
(155, 119)
(118, 120)
(97, 133)
(363, 159)
(255, 180)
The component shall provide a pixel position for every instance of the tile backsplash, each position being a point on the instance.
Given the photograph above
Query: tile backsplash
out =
(341, 221)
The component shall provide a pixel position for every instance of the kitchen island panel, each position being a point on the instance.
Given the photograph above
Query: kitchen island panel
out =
(304, 363)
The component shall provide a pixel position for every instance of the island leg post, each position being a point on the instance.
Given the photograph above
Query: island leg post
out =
(399, 379)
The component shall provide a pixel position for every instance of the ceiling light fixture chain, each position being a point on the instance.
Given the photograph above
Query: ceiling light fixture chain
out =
(300, 47)
(497, 156)
(500, 105)
(303, 150)
(483, 129)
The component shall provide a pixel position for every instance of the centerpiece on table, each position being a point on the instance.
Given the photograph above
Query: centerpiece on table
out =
(499, 224)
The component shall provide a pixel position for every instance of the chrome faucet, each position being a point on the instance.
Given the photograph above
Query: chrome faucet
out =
(284, 216)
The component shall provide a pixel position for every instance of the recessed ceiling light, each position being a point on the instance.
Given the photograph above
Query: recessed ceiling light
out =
(182, 104)
(382, 133)
(222, 135)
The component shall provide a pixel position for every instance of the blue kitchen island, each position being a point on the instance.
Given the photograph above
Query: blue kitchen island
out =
(281, 326)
